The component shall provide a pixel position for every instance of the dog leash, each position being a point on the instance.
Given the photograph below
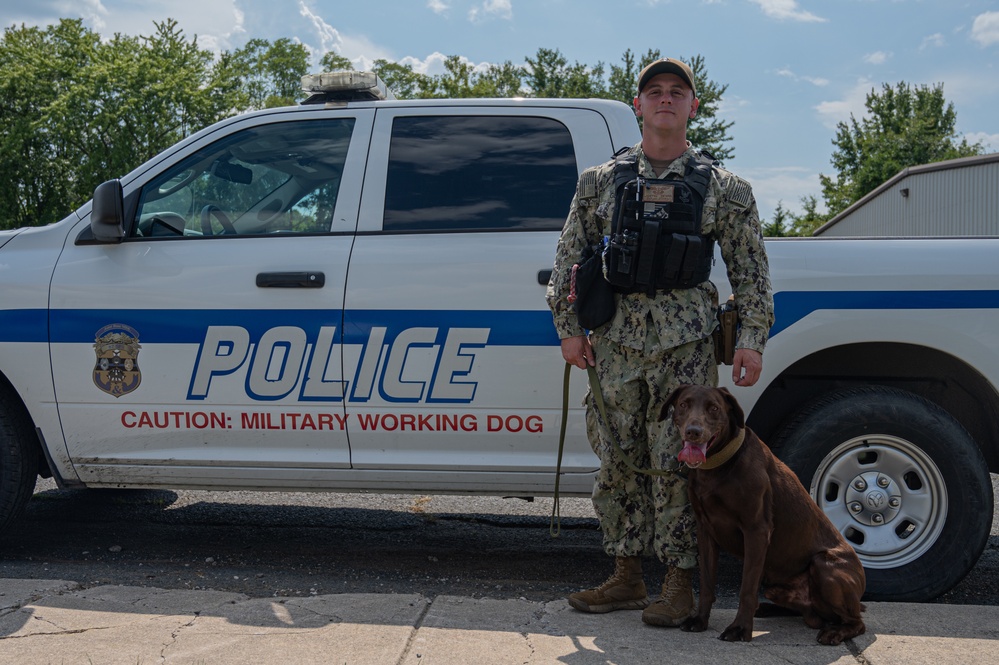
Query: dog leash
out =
(598, 396)
(555, 524)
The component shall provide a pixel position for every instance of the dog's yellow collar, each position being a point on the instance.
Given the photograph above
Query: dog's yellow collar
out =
(726, 453)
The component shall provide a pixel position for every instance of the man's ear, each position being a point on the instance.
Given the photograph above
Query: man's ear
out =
(694, 107)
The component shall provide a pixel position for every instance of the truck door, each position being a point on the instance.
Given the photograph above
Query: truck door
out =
(452, 361)
(206, 346)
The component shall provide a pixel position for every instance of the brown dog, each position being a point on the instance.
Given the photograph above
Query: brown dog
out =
(750, 504)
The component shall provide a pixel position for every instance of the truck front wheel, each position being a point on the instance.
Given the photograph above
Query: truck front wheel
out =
(903, 482)
(18, 457)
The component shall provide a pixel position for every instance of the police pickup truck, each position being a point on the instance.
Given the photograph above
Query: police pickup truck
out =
(349, 295)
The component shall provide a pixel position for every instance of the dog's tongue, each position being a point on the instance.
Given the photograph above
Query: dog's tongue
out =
(693, 454)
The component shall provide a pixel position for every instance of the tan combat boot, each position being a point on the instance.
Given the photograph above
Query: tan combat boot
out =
(676, 603)
(624, 590)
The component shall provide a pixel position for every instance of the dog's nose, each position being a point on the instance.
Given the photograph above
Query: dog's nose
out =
(693, 432)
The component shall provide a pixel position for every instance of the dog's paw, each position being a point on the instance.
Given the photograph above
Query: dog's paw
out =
(737, 633)
(836, 635)
(694, 625)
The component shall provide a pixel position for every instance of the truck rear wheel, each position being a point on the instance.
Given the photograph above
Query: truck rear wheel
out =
(901, 479)
(18, 458)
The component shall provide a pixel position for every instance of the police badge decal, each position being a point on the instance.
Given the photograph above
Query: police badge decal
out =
(117, 369)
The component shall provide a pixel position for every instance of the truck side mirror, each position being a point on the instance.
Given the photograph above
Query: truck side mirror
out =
(107, 216)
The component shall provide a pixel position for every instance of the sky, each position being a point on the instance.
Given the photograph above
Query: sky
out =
(794, 68)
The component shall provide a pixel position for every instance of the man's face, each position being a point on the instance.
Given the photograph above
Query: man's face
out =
(666, 102)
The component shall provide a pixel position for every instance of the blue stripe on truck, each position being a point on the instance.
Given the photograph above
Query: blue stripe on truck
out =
(507, 328)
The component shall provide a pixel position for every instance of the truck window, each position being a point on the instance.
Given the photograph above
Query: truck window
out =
(277, 178)
(478, 173)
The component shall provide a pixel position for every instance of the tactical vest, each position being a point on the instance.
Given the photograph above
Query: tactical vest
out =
(657, 242)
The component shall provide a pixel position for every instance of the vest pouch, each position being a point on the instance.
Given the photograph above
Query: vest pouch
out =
(672, 261)
(686, 262)
(621, 258)
(594, 302)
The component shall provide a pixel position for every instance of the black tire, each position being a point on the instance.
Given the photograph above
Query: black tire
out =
(18, 458)
(901, 479)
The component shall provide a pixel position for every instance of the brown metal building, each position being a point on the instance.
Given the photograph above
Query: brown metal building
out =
(959, 197)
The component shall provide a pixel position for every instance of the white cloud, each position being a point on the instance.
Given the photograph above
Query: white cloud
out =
(432, 65)
(329, 37)
(990, 141)
(985, 29)
(218, 24)
(787, 10)
(438, 6)
(491, 9)
(361, 52)
(877, 58)
(94, 14)
(853, 103)
(47, 12)
(786, 72)
(935, 40)
(782, 185)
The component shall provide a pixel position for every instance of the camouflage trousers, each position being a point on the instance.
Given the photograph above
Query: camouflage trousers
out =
(641, 515)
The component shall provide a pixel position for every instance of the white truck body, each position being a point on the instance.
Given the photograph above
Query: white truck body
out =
(426, 361)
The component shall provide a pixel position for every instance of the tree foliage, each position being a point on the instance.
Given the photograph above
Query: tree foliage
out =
(905, 126)
(77, 110)
(787, 224)
(779, 227)
(809, 219)
(272, 72)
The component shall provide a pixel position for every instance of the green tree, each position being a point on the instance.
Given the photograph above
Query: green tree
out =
(116, 104)
(707, 130)
(904, 126)
(334, 62)
(504, 80)
(36, 157)
(623, 80)
(549, 74)
(458, 80)
(779, 226)
(272, 71)
(810, 219)
(403, 81)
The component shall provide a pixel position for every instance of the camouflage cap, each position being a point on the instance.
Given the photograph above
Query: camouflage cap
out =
(667, 66)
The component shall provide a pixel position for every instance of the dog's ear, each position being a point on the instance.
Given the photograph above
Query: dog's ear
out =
(673, 396)
(735, 415)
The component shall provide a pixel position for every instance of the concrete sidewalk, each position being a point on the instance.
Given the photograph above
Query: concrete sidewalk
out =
(53, 621)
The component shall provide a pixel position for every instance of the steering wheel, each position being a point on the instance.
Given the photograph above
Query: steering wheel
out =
(206, 221)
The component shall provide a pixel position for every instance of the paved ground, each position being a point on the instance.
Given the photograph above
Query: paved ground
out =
(50, 621)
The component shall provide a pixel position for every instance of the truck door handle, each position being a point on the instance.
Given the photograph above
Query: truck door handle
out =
(544, 276)
(291, 280)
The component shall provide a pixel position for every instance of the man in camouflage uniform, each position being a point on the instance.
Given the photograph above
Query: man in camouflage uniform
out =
(652, 345)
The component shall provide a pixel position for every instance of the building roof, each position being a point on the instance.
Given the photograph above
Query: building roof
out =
(960, 163)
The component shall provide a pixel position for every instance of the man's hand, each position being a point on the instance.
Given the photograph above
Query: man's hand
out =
(746, 366)
(578, 351)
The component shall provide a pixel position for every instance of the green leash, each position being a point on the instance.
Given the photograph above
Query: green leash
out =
(599, 397)
(555, 525)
